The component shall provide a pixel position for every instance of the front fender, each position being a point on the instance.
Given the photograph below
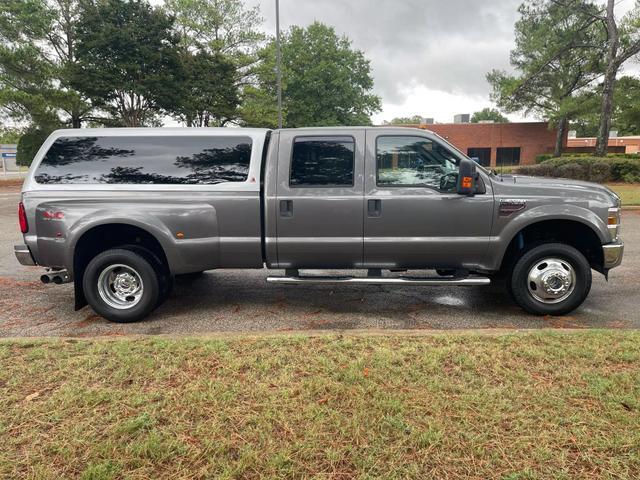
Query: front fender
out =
(511, 226)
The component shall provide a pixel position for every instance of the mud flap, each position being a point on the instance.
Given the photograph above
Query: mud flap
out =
(80, 301)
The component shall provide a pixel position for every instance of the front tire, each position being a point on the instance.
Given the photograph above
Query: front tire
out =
(550, 279)
(121, 285)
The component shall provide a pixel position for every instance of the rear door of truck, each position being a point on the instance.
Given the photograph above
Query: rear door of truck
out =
(320, 189)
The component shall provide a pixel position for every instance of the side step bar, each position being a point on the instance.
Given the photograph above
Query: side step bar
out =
(435, 281)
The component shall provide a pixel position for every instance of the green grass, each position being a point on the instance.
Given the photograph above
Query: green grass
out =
(517, 406)
(630, 193)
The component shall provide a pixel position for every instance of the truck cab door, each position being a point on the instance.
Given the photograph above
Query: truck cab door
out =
(319, 196)
(413, 216)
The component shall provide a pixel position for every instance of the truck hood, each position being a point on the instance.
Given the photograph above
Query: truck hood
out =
(544, 184)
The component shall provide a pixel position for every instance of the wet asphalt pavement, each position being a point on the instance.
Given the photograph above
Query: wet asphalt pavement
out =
(242, 301)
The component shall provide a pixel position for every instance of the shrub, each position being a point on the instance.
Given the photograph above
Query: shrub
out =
(621, 168)
(543, 157)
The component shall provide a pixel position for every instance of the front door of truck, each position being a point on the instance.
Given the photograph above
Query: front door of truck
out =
(413, 216)
(319, 198)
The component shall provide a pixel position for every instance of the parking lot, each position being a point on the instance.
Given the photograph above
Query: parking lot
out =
(241, 301)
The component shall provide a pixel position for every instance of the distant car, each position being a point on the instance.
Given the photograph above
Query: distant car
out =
(120, 212)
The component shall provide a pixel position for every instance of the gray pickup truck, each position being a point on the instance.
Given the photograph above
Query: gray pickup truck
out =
(121, 212)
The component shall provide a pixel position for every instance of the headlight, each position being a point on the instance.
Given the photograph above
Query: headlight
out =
(613, 223)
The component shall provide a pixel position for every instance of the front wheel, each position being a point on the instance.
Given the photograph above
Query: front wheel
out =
(550, 279)
(121, 285)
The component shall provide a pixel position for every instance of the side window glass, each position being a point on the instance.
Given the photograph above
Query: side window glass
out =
(203, 160)
(413, 161)
(322, 161)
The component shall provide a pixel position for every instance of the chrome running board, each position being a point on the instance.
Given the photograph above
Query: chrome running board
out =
(429, 281)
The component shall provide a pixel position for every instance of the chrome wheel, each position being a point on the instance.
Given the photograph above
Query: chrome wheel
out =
(551, 280)
(120, 286)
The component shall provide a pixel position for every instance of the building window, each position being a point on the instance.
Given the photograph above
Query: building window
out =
(482, 154)
(322, 162)
(507, 156)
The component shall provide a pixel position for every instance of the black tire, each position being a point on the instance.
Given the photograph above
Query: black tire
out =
(164, 275)
(148, 275)
(519, 284)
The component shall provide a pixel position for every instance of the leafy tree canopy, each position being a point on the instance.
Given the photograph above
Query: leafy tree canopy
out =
(10, 134)
(209, 95)
(325, 82)
(414, 120)
(558, 54)
(489, 114)
(29, 144)
(626, 110)
(128, 61)
(37, 50)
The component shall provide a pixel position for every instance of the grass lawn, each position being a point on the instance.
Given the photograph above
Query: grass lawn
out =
(629, 192)
(513, 406)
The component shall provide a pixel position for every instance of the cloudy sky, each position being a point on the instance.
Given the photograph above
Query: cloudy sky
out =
(429, 57)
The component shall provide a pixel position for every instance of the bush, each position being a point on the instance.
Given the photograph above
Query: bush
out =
(544, 157)
(619, 168)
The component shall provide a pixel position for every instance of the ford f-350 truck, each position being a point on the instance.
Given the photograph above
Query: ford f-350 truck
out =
(120, 212)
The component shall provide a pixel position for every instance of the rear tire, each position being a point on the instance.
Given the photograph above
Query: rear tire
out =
(550, 279)
(122, 285)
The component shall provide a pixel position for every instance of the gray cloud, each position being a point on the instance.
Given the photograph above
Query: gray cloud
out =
(440, 45)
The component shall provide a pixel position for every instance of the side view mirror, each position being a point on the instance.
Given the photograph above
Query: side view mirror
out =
(466, 177)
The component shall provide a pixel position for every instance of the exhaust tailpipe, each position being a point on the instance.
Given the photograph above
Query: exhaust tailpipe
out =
(56, 276)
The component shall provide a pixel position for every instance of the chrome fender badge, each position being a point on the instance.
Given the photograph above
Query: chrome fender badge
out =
(509, 206)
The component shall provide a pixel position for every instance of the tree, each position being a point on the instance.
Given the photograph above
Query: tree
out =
(625, 117)
(325, 81)
(29, 144)
(220, 41)
(623, 42)
(557, 56)
(37, 52)
(222, 26)
(127, 61)
(9, 135)
(208, 93)
(489, 114)
(414, 120)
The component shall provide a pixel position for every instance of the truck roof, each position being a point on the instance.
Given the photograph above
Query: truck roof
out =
(179, 131)
(213, 131)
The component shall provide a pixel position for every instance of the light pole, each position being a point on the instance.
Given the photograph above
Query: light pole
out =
(278, 64)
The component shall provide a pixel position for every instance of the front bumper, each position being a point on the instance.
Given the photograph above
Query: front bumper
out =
(23, 254)
(612, 253)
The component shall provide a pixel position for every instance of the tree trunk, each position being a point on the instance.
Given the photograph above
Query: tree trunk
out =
(562, 129)
(76, 121)
(608, 85)
(606, 111)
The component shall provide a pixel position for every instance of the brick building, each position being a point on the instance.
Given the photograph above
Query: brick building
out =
(499, 144)
(616, 144)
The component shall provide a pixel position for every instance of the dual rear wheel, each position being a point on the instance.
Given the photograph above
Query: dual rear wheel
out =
(125, 285)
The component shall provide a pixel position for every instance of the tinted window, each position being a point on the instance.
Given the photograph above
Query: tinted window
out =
(508, 156)
(482, 154)
(406, 161)
(140, 160)
(318, 161)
